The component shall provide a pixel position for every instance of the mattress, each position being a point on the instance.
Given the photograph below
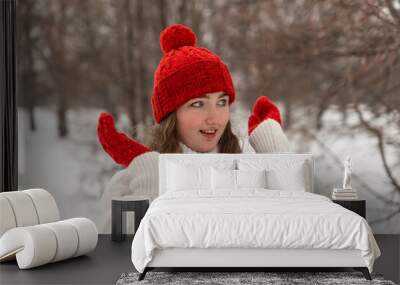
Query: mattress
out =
(251, 219)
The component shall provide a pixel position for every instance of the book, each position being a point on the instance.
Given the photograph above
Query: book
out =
(340, 190)
(345, 194)
(336, 196)
(345, 198)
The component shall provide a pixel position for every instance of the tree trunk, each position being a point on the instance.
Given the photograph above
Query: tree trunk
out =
(182, 10)
(130, 83)
(30, 89)
(288, 114)
(62, 116)
(27, 74)
(162, 8)
(62, 84)
(143, 99)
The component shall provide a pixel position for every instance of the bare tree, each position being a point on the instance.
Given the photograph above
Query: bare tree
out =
(27, 22)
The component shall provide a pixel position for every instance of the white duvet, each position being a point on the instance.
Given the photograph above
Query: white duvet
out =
(252, 218)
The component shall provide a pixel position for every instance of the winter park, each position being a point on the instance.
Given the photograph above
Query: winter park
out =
(334, 78)
(207, 142)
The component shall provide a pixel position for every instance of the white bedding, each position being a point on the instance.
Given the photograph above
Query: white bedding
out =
(252, 218)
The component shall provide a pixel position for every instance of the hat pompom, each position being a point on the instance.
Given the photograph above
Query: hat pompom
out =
(176, 36)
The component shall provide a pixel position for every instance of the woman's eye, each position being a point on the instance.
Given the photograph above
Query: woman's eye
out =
(197, 104)
(222, 102)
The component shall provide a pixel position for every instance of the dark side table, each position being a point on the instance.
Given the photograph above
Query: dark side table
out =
(357, 206)
(119, 207)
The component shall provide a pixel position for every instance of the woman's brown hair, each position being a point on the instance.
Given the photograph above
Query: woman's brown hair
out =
(163, 138)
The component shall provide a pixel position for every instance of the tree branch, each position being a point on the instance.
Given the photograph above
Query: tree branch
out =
(381, 147)
(356, 177)
(386, 218)
(395, 13)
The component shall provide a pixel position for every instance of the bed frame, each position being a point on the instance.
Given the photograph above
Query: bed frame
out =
(248, 259)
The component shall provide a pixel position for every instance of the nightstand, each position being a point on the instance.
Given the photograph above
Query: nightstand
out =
(357, 206)
(120, 205)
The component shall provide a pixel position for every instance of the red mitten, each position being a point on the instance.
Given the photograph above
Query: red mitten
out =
(263, 109)
(119, 146)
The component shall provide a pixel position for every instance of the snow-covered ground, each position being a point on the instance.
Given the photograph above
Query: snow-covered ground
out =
(75, 169)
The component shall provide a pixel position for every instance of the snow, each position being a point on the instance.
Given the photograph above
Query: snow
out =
(75, 169)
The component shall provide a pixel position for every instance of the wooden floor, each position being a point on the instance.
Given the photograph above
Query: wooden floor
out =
(111, 259)
(102, 266)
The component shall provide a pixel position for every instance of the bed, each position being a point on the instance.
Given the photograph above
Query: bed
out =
(247, 210)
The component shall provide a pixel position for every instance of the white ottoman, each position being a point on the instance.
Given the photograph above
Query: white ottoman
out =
(31, 233)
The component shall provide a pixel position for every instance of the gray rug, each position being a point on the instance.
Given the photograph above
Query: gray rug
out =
(286, 278)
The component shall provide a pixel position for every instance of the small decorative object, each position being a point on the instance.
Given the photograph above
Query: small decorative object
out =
(346, 192)
(347, 174)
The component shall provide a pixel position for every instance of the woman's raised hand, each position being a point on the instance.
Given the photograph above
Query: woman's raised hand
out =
(263, 109)
(119, 146)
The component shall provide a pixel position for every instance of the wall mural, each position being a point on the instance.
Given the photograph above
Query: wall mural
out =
(332, 69)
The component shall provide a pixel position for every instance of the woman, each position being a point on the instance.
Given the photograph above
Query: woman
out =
(191, 100)
(201, 124)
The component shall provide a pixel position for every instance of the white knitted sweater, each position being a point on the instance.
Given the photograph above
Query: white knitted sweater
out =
(141, 176)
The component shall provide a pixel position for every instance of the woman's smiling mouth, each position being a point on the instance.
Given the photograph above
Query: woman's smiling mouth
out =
(210, 133)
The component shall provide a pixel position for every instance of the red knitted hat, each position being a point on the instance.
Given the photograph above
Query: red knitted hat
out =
(186, 72)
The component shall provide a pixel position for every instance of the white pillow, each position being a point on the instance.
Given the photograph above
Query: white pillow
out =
(223, 164)
(293, 180)
(281, 174)
(251, 178)
(229, 179)
(223, 179)
(188, 177)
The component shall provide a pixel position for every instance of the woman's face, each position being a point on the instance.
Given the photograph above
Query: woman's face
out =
(202, 121)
